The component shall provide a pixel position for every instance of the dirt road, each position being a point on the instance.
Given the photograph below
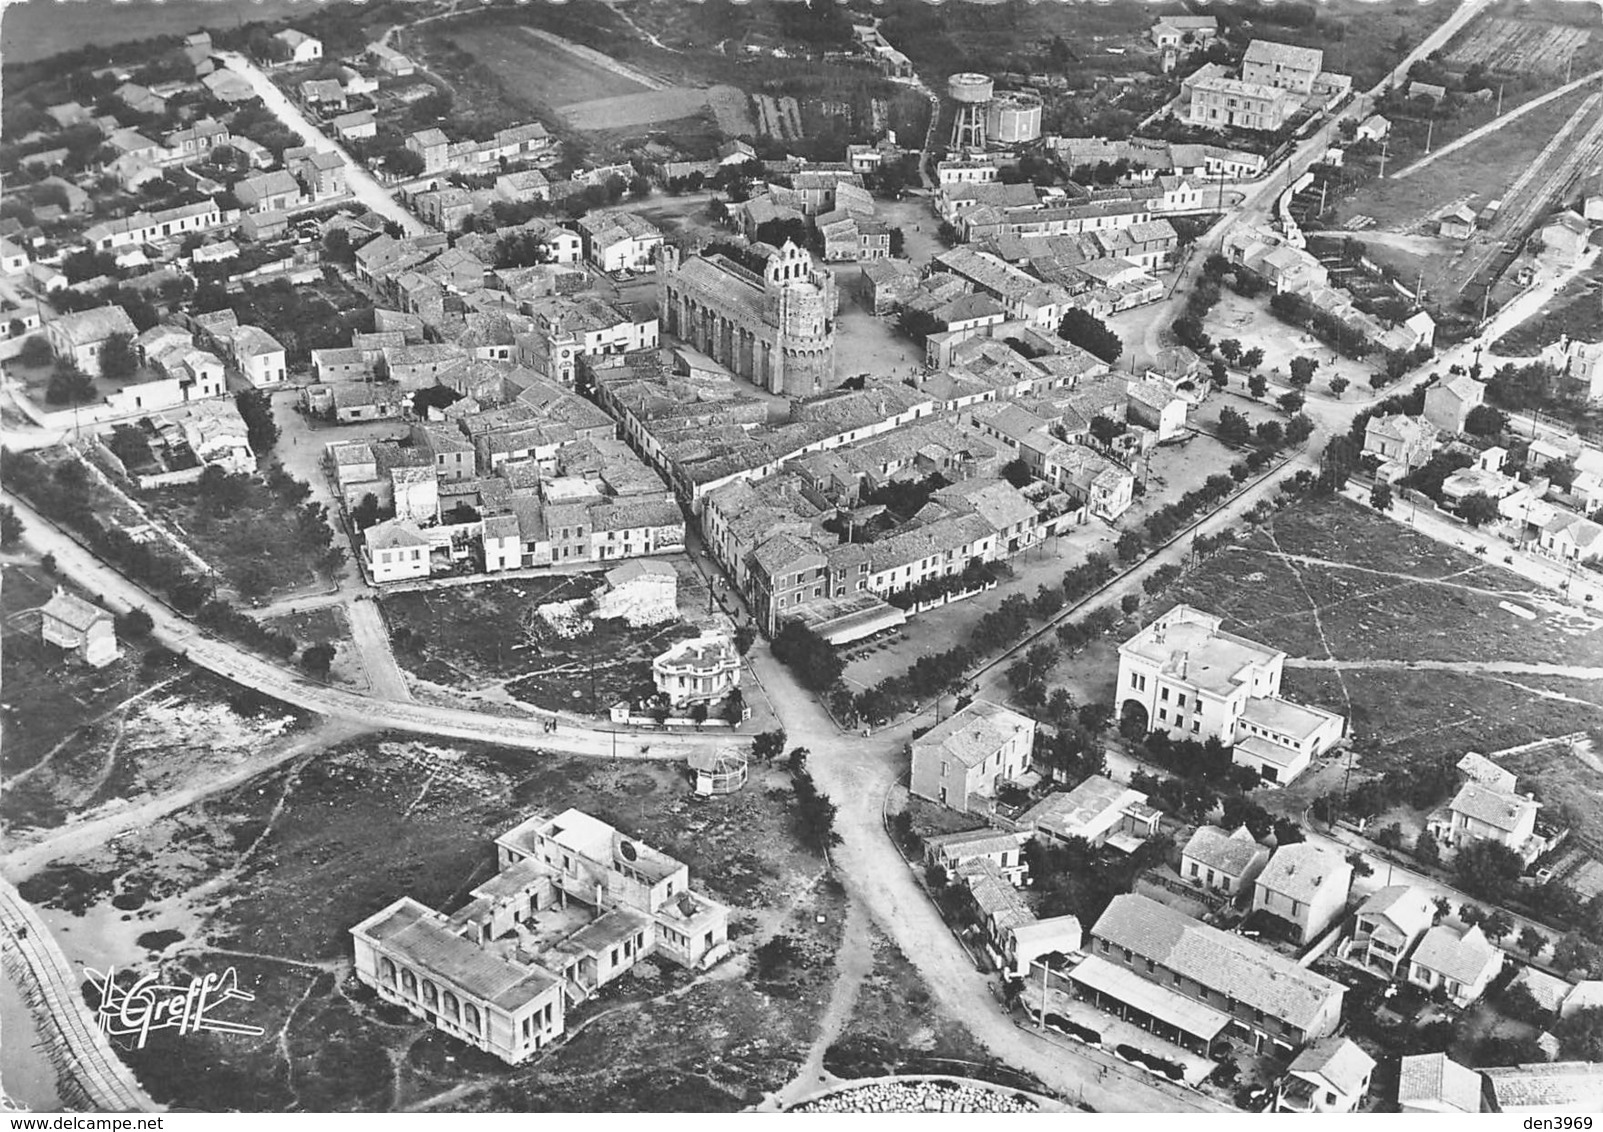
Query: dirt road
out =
(230, 661)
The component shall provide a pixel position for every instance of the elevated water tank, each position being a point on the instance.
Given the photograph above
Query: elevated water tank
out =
(969, 87)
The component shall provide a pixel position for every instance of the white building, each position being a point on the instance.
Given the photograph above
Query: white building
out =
(259, 356)
(395, 551)
(1306, 885)
(303, 48)
(1185, 676)
(697, 671)
(69, 622)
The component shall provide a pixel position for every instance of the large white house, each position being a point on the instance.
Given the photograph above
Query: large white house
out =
(1185, 676)
(1306, 885)
(697, 671)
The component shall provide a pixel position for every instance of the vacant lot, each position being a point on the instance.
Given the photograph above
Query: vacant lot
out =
(896, 1027)
(76, 739)
(248, 534)
(490, 640)
(1576, 311)
(269, 877)
(325, 625)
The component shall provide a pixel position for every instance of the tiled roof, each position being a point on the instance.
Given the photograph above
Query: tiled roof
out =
(1460, 956)
(1436, 1079)
(1406, 908)
(1228, 853)
(1497, 808)
(409, 929)
(976, 733)
(1338, 1061)
(1227, 964)
(1284, 54)
(73, 611)
(1303, 871)
(1562, 1086)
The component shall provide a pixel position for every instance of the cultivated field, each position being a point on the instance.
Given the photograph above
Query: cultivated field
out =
(269, 877)
(640, 109)
(1518, 47)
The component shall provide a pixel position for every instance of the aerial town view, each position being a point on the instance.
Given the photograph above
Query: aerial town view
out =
(819, 556)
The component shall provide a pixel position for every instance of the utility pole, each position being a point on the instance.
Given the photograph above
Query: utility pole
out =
(1499, 113)
(1430, 129)
(1384, 143)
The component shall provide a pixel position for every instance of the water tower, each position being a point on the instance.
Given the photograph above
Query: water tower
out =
(972, 93)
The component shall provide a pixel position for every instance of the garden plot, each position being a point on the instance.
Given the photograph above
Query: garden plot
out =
(1520, 47)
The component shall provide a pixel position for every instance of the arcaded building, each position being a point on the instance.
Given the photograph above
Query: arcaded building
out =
(776, 330)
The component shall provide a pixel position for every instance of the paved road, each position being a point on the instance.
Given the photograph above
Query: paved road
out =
(96, 1067)
(361, 182)
(229, 660)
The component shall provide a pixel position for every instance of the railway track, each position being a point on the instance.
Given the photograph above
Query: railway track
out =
(76, 1046)
(1577, 149)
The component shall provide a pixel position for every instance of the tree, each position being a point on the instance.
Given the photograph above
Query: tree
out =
(1379, 379)
(1288, 832)
(1497, 925)
(1486, 420)
(1269, 434)
(1105, 429)
(1426, 849)
(1017, 473)
(1299, 428)
(1302, 371)
(134, 624)
(10, 527)
(745, 637)
(812, 658)
(1560, 473)
(1380, 498)
(69, 385)
(1130, 602)
(1291, 403)
(1233, 426)
(768, 745)
(1089, 332)
(698, 712)
(257, 410)
(318, 659)
(1574, 952)
(1580, 1036)
(734, 707)
(1257, 385)
(35, 352)
(1253, 358)
(1230, 350)
(898, 241)
(1361, 867)
(366, 511)
(1444, 907)
(1238, 472)
(1478, 509)
(1531, 941)
(1488, 869)
(1130, 546)
(1218, 373)
(1338, 385)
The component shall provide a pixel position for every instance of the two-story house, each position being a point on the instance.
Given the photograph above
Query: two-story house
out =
(395, 551)
(960, 761)
(1306, 885)
(1223, 862)
(1004, 851)
(1389, 923)
(1331, 1075)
